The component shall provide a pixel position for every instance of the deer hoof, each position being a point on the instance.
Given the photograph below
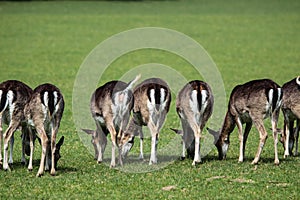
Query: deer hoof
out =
(99, 162)
(254, 162)
(52, 173)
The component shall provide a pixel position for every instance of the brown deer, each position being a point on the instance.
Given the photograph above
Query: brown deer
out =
(194, 106)
(152, 100)
(43, 113)
(291, 112)
(111, 105)
(14, 95)
(250, 103)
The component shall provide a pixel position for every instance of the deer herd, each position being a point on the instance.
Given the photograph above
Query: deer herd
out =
(37, 114)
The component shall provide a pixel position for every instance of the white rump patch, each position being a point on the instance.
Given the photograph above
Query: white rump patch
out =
(194, 102)
(46, 99)
(10, 98)
(55, 97)
(156, 114)
(1, 92)
(204, 95)
(120, 107)
(278, 103)
(269, 103)
(298, 80)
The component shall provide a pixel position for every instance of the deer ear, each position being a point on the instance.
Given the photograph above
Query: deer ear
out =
(179, 132)
(60, 142)
(89, 132)
(216, 134)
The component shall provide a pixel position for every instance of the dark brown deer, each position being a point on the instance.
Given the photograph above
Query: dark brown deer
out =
(291, 113)
(14, 95)
(152, 100)
(194, 106)
(250, 103)
(44, 112)
(111, 105)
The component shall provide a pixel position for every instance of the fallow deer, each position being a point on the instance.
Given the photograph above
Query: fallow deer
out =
(43, 113)
(194, 106)
(14, 95)
(152, 100)
(250, 103)
(111, 105)
(291, 113)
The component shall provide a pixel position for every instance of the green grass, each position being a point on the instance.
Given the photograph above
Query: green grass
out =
(47, 42)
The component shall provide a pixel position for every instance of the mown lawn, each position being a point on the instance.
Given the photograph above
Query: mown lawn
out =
(48, 41)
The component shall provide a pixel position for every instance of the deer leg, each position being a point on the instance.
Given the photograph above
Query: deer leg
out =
(100, 142)
(197, 134)
(7, 136)
(23, 159)
(53, 148)
(1, 138)
(113, 135)
(288, 126)
(246, 133)
(31, 149)
(44, 143)
(262, 139)
(241, 139)
(275, 135)
(141, 143)
(154, 141)
(11, 149)
(297, 137)
(185, 129)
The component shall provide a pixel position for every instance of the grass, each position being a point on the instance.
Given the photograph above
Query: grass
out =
(47, 42)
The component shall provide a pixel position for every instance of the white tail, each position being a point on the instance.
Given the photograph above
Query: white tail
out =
(194, 115)
(152, 100)
(44, 112)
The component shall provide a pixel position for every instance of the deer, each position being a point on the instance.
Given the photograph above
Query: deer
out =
(194, 106)
(14, 95)
(291, 112)
(110, 105)
(43, 113)
(152, 99)
(249, 104)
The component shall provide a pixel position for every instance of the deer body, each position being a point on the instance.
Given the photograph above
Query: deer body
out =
(194, 106)
(291, 112)
(152, 100)
(43, 113)
(111, 105)
(249, 104)
(14, 95)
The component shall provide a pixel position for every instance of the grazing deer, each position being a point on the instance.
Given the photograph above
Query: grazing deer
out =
(291, 113)
(111, 105)
(250, 103)
(194, 106)
(44, 112)
(152, 100)
(14, 95)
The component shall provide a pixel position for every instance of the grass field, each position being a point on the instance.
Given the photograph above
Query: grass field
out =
(48, 41)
